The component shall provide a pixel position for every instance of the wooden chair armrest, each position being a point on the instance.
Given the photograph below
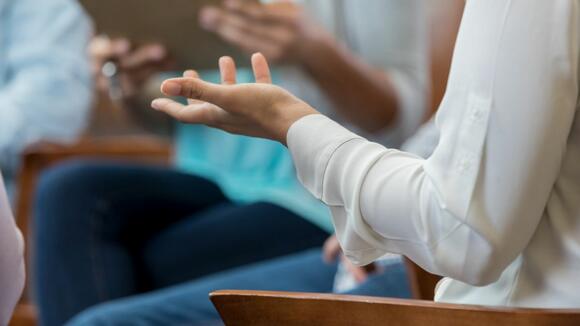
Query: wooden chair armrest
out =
(110, 147)
(241, 308)
(24, 315)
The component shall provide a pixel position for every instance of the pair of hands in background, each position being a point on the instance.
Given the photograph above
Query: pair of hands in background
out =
(281, 31)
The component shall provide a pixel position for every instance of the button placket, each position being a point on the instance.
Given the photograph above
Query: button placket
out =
(468, 151)
(477, 112)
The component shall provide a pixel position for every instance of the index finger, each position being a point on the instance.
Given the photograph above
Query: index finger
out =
(196, 89)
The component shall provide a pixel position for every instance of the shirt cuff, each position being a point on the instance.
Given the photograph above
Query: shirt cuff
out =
(312, 140)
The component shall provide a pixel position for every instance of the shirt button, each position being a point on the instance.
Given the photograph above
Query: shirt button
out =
(476, 114)
(464, 164)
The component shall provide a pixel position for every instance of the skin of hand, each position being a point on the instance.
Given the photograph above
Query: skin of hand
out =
(136, 64)
(331, 251)
(257, 109)
(281, 30)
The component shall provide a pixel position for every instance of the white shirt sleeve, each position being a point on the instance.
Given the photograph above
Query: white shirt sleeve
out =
(472, 207)
(46, 91)
(11, 260)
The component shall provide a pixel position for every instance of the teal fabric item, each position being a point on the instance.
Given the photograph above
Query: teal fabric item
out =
(246, 169)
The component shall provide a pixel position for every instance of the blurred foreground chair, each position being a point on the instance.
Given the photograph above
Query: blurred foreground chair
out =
(36, 159)
(256, 308)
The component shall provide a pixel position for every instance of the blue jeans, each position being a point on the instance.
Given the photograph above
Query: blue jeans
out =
(106, 231)
(188, 304)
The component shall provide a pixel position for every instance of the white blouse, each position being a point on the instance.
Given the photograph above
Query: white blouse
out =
(11, 259)
(496, 208)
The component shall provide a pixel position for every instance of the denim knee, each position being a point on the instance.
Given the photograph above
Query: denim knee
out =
(64, 178)
(62, 186)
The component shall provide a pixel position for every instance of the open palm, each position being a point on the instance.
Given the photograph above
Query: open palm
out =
(258, 109)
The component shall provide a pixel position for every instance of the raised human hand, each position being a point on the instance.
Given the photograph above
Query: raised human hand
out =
(133, 65)
(257, 109)
(281, 30)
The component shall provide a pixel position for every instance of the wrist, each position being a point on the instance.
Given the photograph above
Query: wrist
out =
(290, 115)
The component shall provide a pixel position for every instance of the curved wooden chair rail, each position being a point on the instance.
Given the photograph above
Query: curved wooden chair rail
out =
(257, 308)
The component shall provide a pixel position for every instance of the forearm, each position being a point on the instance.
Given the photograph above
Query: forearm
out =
(372, 103)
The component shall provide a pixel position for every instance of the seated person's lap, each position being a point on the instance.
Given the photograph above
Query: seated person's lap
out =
(141, 228)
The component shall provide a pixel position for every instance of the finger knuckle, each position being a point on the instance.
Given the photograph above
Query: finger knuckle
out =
(194, 91)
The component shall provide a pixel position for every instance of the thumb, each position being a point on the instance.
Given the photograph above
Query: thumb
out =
(195, 89)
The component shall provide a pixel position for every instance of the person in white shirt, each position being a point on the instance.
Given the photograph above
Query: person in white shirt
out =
(495, 208)
(11, 259)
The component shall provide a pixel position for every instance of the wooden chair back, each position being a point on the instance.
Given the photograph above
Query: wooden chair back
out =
(256, 308)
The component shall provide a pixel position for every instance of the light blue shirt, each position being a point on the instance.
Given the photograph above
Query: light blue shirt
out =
(45, 81)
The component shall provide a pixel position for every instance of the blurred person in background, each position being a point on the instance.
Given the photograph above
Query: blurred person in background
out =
(45, 84)
(132, 229)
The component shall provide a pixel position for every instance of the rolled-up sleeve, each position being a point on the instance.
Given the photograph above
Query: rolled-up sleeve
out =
(47, 91)
(470, 209)
(11, 260)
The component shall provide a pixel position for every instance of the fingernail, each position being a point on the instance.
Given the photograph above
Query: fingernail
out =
(156, 104)
(172, 88)
(225, 60)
